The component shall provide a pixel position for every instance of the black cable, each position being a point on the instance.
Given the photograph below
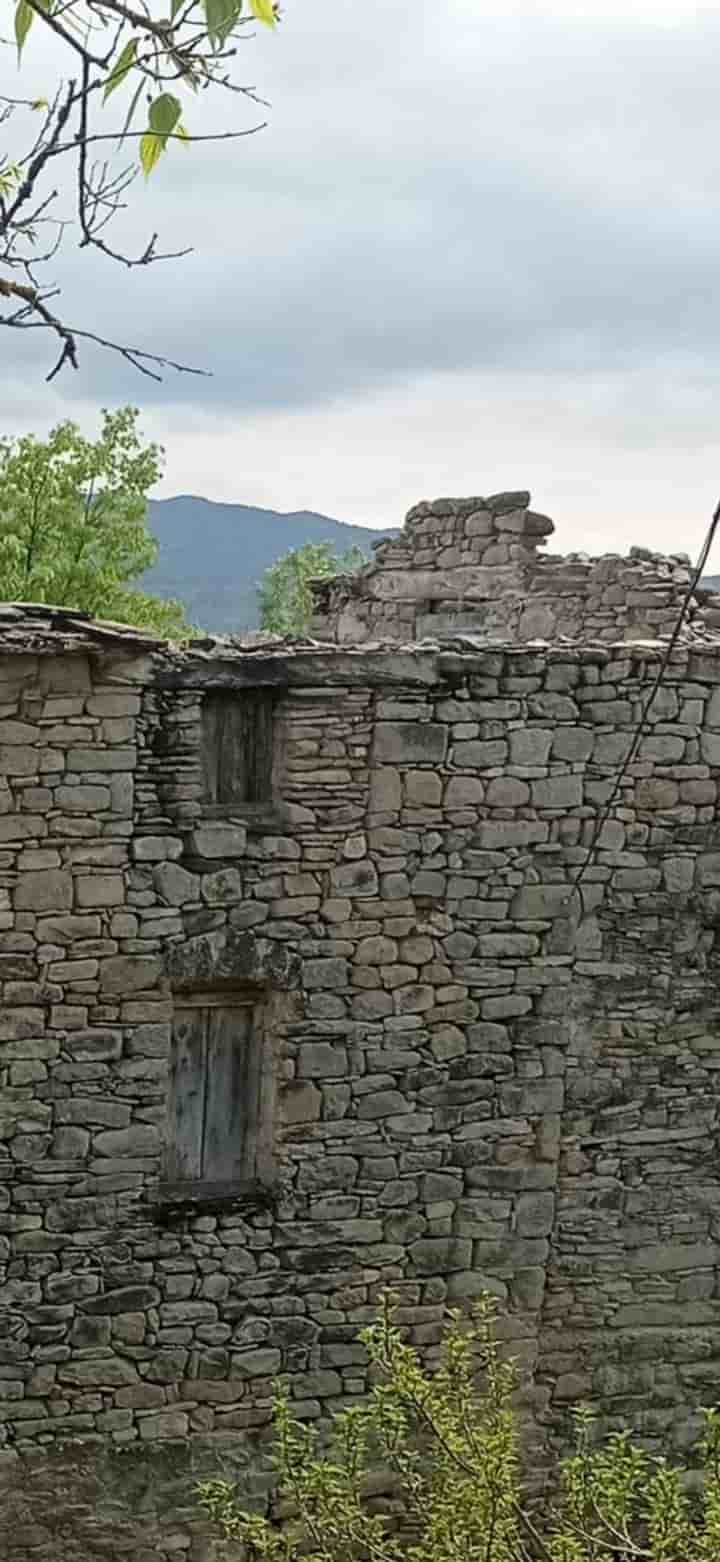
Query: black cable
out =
(662, 669)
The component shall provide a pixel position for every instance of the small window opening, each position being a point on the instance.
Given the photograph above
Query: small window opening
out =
(220, 1096)
(237, 746)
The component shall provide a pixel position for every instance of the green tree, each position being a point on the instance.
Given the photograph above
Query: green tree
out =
(73, 522)
(129, 79)
(284, 593)
(427, 1469)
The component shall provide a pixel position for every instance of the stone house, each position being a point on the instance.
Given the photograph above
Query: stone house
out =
(301, 997)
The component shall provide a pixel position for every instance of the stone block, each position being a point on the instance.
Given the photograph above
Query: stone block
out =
(410, 742)
(499, 834)
(541, 902)
(378, 950)
(464, 792)
(166, 1424)
(357, 879)
(440, 1255)
(127, 1298)
(97, 759)
(99, 889)
(327, 974)
(222, 888)
(656, 792)
(220, 839)
(322, 1060)
(480, 755)
(140, 1139)
(82, 799)
(678, 875)
(129, 973)
(385, 791)
(574, 744)
(534, 1214)
(300, 1103)
(557, 792)
(104, 1372)
(382, 1103)
(49, 890)
(175, 885)
(530, 746)
(157, 848)
(423, 789)
(18, 760)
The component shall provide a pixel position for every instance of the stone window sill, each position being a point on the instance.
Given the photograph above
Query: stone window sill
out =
(263, 817)
(176, 1201)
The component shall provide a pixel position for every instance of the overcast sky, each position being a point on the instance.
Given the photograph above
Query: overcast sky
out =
(477, 247)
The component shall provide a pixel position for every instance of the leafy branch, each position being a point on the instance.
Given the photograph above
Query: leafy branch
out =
(160, 69)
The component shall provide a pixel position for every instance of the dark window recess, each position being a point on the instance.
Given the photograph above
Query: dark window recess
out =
(237, 741)
(219, 1124)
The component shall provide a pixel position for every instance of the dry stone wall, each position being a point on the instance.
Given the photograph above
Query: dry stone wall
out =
(471, 566)
(483, 1076)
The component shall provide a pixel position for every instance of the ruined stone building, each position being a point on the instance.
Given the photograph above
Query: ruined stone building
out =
(301, 998)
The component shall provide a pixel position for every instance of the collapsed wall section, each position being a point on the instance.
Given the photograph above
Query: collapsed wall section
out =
(471, 566)
(476, 1075)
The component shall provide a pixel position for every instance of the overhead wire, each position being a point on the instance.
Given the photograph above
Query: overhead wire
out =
(640, 729)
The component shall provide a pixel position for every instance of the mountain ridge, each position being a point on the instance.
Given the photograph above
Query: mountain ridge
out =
(213, 554)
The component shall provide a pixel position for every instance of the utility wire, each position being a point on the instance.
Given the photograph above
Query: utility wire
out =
(662, 669)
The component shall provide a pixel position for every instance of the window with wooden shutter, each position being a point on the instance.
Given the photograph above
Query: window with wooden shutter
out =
(219, 1129)
(237, 746)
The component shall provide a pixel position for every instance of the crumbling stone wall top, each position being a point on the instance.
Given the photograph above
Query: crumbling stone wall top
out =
(472, 565)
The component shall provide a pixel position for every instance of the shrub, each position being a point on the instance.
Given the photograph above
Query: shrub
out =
(427, 1469)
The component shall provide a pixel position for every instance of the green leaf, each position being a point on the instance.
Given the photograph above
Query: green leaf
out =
(123, 64)
(151, 148)
(163, 117)
(221, 16)
(24, 17)
(174, 8)
(164, 114)
(264, 10)
(182, 134)
(38, 104)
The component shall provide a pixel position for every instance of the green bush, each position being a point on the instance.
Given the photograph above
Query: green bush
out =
(427, 1469)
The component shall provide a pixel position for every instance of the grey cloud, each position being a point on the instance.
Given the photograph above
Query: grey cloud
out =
(451, 193)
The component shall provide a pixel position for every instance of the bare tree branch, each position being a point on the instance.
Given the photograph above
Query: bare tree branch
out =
(123, 48)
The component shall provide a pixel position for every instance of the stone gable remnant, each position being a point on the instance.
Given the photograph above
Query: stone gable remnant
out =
(471, 567)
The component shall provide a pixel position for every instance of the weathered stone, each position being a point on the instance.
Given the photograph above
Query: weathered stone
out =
(530, 746)
(100, 889)
(410, 742)
(139, 1139)
(220, 840)
(175, 885)
(82, 799)
(440, 1255)
(322, 1060)
(129, 973)
(51, 890)
(129, 1298)
(157, 848)
(358, 879)
(325, 973)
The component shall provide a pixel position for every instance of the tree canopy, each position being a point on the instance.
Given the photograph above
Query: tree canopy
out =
(285, 595)
(130, 79)
(73, 522)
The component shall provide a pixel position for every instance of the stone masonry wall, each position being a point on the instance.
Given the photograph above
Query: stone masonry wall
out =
(484, 1077)
(472, 565)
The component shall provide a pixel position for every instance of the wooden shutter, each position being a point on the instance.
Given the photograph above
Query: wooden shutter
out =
(238, 746)
(214, 1095)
